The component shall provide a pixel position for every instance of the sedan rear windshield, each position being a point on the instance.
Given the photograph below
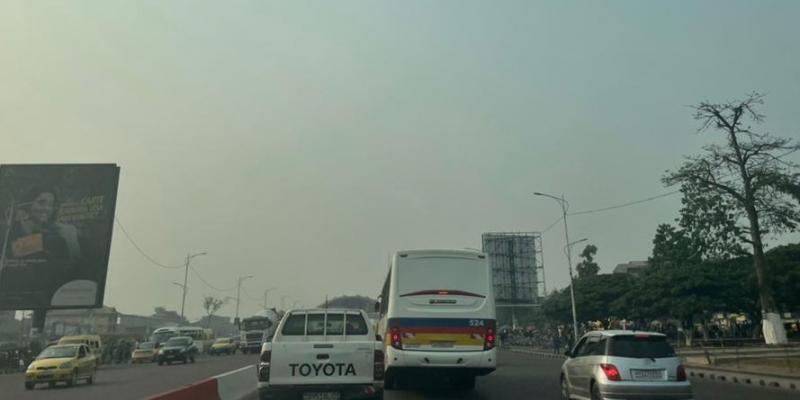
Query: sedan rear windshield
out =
(640, 346)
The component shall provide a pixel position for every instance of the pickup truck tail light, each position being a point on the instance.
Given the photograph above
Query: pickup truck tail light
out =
(396, 338)
(378, 372)
(263, 366)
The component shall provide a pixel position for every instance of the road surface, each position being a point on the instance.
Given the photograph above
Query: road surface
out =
(519, 376)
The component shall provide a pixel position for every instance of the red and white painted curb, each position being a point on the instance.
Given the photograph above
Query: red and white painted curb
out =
(233, 385)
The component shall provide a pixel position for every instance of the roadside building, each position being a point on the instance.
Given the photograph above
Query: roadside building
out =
(634, 268)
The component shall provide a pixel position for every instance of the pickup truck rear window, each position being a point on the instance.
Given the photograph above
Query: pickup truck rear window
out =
(296, 325)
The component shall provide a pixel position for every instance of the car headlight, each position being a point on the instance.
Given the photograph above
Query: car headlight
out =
(31, 367)
(66, 365)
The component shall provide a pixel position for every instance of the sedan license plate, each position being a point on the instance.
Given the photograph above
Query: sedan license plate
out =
(648, 374)
(321, 396)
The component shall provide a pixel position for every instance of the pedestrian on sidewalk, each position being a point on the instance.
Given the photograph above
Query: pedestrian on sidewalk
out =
(556, 345)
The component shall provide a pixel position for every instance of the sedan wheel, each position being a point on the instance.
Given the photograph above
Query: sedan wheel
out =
(74, 380)
(564, 389)
(596, 393)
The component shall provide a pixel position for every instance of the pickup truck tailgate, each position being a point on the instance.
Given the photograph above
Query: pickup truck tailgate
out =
(322, 362)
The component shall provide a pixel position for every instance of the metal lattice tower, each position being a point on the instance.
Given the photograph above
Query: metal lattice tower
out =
(517, 266)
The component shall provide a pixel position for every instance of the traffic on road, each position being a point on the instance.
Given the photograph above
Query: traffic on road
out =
(369, 200)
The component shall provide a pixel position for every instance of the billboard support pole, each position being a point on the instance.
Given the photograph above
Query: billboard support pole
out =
(5, 239)
(37, 322)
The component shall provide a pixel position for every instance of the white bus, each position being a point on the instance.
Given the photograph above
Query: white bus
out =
(202, 337)
(437, 317)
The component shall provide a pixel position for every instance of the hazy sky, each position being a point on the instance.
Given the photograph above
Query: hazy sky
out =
(302, 142)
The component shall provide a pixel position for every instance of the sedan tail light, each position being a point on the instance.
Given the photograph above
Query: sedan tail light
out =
(681, 375)
(611, 371)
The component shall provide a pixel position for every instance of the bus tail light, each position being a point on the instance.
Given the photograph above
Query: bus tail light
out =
(490, 338)
(396, 338)
(378, 372)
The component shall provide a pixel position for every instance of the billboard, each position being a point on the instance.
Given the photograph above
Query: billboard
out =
(516, 262)
(55, 231)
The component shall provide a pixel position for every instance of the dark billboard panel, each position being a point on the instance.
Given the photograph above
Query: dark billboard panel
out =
(55, 232)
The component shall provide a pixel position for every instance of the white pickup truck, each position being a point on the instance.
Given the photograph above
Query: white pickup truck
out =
(322, 354)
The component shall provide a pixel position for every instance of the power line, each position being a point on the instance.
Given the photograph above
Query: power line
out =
(147, 257)
(596, 210)
(552, 224)
(208, 284)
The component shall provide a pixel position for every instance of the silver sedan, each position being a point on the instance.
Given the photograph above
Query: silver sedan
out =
(625, 365)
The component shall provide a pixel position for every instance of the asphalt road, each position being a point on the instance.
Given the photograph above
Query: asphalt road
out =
(522, 376)
(519, 376)
(126, 381)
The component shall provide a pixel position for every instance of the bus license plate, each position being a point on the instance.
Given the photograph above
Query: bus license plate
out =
(445, 345)
(321, 396)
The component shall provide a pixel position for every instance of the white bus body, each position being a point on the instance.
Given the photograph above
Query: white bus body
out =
(438, 316)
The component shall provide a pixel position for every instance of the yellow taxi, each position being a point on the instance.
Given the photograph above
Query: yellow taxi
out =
(62, 363)
(145, 352)
(223, 346)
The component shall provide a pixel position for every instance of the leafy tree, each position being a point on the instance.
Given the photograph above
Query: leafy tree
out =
(588, 267)
(211, 305)
(671, 246)
(593, 296)
(707, 221)
(752, 181)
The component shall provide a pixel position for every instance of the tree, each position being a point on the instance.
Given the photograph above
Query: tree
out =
(211, 305)
(752, 181)
(672, 247)
(593, 296)
(588, 267)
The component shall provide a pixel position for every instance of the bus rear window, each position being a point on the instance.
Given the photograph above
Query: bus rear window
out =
(640, 346)
(440, 273)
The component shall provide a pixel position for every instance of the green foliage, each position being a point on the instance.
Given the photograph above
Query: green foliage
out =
(783, 275)
(588, 267)
(684, 291)
(709, 221)
(671, 246)
(593, 298)
(687, 290)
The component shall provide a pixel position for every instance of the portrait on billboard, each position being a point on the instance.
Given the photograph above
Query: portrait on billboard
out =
(56, 233)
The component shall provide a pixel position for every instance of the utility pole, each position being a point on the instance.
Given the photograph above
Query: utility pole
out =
(564, 206)
(189, 258)
(239, 293)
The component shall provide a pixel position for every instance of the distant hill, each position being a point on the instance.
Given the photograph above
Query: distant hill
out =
(360, 302)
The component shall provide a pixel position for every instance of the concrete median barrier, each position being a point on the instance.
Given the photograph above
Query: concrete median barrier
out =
(234, 385)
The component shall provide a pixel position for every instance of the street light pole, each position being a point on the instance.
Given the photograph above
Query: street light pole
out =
(266, 291)
(564, 205)
(189, 258)
(239, 293)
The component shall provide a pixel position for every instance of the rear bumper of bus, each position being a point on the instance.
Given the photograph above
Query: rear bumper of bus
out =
(478, 362)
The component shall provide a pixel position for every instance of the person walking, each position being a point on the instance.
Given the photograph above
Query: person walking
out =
(556, 345)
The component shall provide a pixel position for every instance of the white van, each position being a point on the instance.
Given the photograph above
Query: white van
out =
(438, 317)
